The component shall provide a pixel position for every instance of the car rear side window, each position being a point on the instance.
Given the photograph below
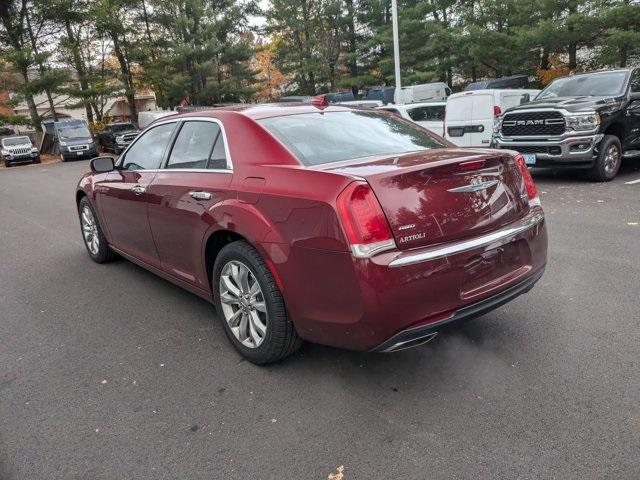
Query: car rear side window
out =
(326, 137)
(147, 152)
(199, 145)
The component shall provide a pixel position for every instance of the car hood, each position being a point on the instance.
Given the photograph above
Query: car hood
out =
(571, 104)
(17, 147)
(77, 141)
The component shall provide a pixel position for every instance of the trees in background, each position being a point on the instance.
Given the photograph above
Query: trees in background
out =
(205, 52)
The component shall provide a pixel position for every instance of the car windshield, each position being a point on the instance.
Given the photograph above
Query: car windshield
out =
(317, 138)
(74, 132)
(122, 127)
(10, 142)
(597, 85)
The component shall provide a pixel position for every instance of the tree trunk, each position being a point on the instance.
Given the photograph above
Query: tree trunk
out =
(41, 68)
(127, 78)
(79, 66)
(33, 110)
(351, 36)
(544, 58)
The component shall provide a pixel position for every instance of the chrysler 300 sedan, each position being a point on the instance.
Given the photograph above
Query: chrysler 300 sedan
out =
(355, 229)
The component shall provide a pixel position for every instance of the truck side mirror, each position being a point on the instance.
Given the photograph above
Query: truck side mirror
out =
(526, 98)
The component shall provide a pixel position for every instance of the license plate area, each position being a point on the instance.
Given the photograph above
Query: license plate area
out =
(529, 158)
(79, 153)
(495, 269)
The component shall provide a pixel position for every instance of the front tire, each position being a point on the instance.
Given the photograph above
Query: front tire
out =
(609, 160)
(62, 158)
(7, 163)
(250, 305)
(37, 160)
(94, 240)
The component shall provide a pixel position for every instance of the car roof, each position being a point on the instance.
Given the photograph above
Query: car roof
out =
(259, 111)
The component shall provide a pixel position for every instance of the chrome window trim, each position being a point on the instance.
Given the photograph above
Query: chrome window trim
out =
(178, 121)
(502, 236)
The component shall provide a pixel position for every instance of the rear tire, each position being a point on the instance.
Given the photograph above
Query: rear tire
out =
(609, 160)
(94, 240)
(280, 338)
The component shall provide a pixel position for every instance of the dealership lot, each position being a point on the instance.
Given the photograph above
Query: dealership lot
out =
(107, 371)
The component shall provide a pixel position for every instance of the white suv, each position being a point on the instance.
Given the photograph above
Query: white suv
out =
(19, 149)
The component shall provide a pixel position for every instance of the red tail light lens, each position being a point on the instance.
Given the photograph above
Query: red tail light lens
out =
(364, 223)
(532, 191)
(497, 111)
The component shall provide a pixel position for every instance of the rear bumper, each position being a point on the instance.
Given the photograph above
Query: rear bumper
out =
(418, 335)
(359, 304)
(577, 152)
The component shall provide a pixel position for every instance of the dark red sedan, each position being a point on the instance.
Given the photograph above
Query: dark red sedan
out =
(344, 227)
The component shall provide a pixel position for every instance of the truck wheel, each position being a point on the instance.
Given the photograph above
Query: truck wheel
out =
(608, 161)
(7, 163)
(37, 160)
(62, 159)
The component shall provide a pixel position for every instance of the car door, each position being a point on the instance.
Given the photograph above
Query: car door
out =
(122, 196)
(195, 179)
(632, 137)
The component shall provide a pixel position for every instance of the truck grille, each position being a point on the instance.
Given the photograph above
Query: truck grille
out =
(20, 151)
(521, 124)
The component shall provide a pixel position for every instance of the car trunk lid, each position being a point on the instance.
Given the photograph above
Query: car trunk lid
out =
(444, 195)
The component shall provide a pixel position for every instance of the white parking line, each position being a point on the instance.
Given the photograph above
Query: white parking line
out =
(632, 182)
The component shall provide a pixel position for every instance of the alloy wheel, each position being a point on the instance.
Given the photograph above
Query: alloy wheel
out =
(611, 159)
(90, 230)
(243, 304)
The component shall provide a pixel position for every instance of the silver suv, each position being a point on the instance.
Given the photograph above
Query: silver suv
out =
(19, 149)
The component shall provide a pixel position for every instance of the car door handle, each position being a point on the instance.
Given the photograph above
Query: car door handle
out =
(138, 189)
(201, 195)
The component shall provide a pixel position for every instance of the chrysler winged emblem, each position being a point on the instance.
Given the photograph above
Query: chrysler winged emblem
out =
(474, 187)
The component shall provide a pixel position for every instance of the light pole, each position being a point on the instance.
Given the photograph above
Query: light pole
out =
(396, 48)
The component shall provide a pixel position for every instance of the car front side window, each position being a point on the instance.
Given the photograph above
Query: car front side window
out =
(147, 152)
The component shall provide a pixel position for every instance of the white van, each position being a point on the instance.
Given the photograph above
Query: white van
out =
(429, 114)
(427, 92)
(470, 115)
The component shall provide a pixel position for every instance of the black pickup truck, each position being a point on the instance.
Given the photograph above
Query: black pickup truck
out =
(588, 121)
(117, 136)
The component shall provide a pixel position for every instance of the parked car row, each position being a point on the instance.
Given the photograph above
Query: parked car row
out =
(589, 121)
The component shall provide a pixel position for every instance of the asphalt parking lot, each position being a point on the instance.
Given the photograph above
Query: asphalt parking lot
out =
(108, 372)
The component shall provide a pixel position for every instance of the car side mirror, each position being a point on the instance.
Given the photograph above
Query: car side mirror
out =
(526, 98)
(102, 165)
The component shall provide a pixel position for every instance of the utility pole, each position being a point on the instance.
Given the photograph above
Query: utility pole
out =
(396, 49)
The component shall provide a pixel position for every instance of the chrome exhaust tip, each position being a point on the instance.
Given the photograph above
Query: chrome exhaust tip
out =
(414, 342)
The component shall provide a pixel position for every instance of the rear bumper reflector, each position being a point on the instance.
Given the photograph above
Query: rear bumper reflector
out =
(504, 235)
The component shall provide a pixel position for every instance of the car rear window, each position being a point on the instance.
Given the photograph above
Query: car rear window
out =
(326, 137)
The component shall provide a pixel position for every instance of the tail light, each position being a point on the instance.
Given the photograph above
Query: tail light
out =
(497, 111)
(363, 220)
(532, 191)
